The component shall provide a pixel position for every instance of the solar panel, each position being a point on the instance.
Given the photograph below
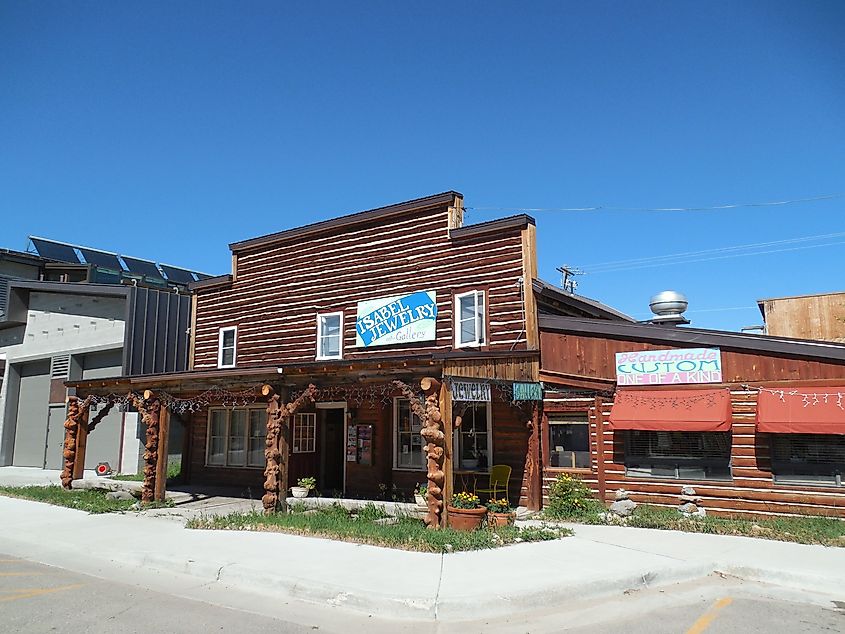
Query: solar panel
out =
(55, 250)
(141, 267)
(175, 274)
(101, 258)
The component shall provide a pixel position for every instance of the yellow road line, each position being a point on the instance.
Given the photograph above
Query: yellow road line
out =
(708, 617)
(37, 592)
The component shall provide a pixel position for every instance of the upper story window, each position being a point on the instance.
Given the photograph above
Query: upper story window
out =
(330, 336)
(227, 344)
(470, 323)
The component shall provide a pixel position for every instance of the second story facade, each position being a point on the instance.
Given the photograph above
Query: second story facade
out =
(403, 280)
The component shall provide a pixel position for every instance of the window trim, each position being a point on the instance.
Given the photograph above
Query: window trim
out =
(481, 329)
(228, 411)
(458, 439)
(220, 334)
(296, 417)
(396, 467)
(318, 356)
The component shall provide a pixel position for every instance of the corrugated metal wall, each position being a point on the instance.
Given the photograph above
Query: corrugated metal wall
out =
(157, 332)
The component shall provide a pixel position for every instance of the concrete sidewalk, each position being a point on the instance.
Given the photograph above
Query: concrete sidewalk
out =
(597, 562)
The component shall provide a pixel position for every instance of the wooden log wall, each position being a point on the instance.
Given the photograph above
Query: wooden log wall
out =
(594, 358)
(280, 288)
(752, 490)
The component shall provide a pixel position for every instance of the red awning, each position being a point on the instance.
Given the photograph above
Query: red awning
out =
(793, 411)
(672, 410)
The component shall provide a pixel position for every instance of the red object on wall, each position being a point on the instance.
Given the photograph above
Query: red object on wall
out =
(672, 410)
(794, 411)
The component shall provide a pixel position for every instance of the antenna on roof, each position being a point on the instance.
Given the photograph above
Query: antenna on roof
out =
(567, 279)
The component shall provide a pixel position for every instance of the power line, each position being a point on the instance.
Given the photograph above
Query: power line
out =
(709, 208)
(722, 257)
(600, 267)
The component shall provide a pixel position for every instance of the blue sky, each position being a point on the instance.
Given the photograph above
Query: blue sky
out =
(167, 130)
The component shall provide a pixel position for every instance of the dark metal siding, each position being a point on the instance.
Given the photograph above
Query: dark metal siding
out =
(157, 332)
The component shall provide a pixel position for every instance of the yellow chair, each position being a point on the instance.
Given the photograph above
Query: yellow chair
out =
(500, 475)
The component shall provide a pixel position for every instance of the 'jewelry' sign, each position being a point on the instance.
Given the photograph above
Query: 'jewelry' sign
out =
(397, 320)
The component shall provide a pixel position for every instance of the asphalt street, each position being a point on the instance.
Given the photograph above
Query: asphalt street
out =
(39, 598)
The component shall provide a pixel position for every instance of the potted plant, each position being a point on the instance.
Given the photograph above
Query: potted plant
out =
(420, 493)
(466, 512)
(304, 486)
(500, 513)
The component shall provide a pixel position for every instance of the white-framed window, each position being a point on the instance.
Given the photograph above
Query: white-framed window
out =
(474, 439)
(330, 335)
(304, 433)
(227, 345)
(470, 323)
(236, 437)
(407, 442)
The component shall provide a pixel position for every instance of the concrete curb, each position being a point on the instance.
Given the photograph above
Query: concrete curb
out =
(404, 585)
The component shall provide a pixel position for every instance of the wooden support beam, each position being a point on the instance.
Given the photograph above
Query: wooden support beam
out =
(533, 473)
(161, 463)
(272, 454)
(448, 444)
(81, 440)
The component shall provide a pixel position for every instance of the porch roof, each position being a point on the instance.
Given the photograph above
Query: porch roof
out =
(300, 374)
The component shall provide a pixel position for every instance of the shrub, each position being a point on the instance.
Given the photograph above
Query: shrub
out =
(569, 497)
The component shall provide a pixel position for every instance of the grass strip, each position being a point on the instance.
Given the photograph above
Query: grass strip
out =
(82, 500)
(408, 534)
(826, 531)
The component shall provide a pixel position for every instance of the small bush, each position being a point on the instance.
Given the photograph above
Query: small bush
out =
(570, 498)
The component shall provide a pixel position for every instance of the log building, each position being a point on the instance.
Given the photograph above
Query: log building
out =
(374, 352)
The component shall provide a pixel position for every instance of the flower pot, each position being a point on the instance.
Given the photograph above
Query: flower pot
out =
(466, 519)
(420, 500)
(501, 519)
(299, 492)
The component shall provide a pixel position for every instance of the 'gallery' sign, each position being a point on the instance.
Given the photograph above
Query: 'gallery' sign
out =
(397, 320)
(666, 367)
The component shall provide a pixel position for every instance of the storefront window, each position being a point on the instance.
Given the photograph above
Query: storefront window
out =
(681, 455)
(569, 441)
(813, 458)
(257, 436)
(231, 432)
(473, 438)
(409, 443)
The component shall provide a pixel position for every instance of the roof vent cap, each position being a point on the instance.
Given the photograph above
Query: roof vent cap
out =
(669, 307)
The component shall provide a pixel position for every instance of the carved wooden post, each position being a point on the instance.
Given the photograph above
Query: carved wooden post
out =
(277, 454)
(150, 408)
(71, 429)
(448, 444)
(432, 433)
(272, 455)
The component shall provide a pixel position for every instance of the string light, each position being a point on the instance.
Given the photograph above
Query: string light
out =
(808, 399)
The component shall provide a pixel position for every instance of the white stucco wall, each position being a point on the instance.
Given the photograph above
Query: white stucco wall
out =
(60, 323)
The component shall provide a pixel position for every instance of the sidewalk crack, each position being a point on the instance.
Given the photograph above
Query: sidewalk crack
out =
(439, 582)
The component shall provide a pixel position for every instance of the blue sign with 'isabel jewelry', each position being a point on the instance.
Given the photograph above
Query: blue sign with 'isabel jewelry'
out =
(397, 320)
